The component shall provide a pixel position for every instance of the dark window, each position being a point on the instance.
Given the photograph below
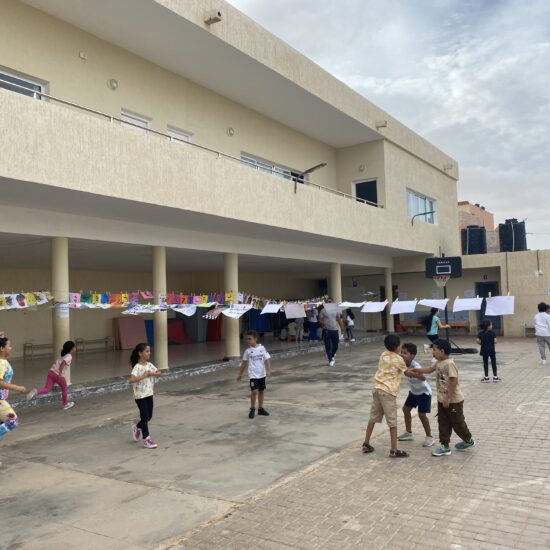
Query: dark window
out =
(7, 79)
(366, 190)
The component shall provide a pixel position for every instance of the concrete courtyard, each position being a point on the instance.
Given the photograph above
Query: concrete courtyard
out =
(297, 479)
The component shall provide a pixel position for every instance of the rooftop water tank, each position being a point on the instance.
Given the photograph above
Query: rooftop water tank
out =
(512, 236)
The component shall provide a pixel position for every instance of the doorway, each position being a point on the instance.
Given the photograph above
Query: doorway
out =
(483, 290)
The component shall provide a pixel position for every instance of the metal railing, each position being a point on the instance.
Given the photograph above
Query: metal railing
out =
(301, 180)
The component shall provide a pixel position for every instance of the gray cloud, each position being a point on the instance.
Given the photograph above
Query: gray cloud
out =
(472, 76)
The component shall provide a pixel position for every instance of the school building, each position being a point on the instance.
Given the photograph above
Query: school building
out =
(176, 145)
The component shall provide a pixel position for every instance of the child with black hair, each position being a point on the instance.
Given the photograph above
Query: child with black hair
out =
(450, 401)
(487, 340)
(349, 321)
(384, 396)
(56, 375)
(141, 379)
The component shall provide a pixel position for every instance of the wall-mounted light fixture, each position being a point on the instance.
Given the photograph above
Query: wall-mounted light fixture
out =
(83, 56)
(112, 84)
(448, 167)
(231, 132)
(212, 17)
(381, 124)
(362, 168)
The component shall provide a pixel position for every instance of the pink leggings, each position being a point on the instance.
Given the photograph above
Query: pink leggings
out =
(54, 378)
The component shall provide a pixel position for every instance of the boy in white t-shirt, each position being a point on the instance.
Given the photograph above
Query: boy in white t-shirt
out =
(420, 395)
(257, 359)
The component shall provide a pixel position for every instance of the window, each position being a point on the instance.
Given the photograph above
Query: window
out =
(271, 168)
(30, 85)
(418, 204)
(179, 135)
(367, 190)
(137, 121)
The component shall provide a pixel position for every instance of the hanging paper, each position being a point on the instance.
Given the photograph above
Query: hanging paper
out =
(271, 308)
(294, 311)
(439, 304)
(31, 299)
(499, 305)
(214, 313)
(351, 304)
(146, 294)
(185, 309)
(96, 298)
(229, 297)
(3, 302)
(374, 307)
(235, 311)
(467, 304)
(407, 306)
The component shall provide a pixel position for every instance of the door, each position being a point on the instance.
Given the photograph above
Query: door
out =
(483, 290)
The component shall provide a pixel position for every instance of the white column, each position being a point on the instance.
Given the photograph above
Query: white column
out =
(388, 284)
(231, 284)
(335, 283)
(61, 326)
(160, 317)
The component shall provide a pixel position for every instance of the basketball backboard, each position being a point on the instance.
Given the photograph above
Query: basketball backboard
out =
(450, 266)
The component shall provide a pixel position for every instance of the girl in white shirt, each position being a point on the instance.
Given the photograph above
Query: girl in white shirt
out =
(542, 330)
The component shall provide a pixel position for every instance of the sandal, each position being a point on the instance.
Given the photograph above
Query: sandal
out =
(399, 454)
(367, 448)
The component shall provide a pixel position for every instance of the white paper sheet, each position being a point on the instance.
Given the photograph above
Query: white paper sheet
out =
(374, 307)
(467, 304)
(185, 309)
(500, 305)
(403, 307)
(235, 311)
(295, 311)
(351, 304)
(271, 308)
(439, 304)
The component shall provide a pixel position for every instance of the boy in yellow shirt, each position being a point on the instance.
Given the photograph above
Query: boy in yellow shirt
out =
(384, 396)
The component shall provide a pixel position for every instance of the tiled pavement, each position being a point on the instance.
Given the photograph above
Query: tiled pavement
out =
(496, 495)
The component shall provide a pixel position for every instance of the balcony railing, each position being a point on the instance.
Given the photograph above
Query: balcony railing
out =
(297, 179)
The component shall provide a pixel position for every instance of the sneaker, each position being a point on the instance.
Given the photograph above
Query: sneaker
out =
(331, 363)
(262, 412)
(497, 379)
(485, 379)
(251, 413)
(406, 436)
(31, 394)
(427, 348)
(136, 433)
(149, 443)
(543, 362)
(463, 445)
(442, 450)
(428, 441)
(68, 406)
(352, 340)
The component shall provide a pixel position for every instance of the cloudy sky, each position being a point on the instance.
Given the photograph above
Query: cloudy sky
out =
(471, 76)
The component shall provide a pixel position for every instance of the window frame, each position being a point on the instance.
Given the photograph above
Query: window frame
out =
(429, 204)
(176, 134)
(32, 80)
(148, 121)
(271, 167)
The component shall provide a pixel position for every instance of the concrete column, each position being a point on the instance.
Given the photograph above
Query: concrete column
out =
(335, 283)
(160, 317)
(231, 284)
(61, 326)
(388, 284)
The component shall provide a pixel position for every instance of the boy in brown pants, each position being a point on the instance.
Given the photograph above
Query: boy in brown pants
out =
(450, 401)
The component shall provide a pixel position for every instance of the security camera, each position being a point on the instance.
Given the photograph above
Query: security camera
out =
(212, 17)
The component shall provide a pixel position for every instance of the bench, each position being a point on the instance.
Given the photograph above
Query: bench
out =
(411, 326)
(107, 344)
(30, 348)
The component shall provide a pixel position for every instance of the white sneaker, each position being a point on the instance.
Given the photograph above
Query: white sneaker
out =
(31, 394)
(332, 363)
(543, 362)
(352, 340)
(68, 406)
(428, 442)
(406, 436)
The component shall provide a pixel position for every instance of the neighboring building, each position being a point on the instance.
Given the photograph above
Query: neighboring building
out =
(474, 216)
(165, 155)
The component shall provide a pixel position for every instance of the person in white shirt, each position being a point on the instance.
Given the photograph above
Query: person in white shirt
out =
(257, 360)
(542, 330)
(420, 395)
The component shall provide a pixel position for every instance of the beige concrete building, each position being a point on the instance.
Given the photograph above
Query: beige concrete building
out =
(147, 145)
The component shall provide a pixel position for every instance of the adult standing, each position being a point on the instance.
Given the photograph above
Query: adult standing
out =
(331, 321)
(542, 330)
(313, 317)
(433, 323)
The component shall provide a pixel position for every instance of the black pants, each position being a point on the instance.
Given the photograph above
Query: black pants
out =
(493, 357)
(449, 419)
(145, 406)
(332, 339)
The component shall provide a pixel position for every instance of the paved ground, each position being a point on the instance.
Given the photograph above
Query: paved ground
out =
(294, 480)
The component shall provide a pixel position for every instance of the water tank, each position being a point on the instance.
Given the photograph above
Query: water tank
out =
(474, 240)
(512, 236)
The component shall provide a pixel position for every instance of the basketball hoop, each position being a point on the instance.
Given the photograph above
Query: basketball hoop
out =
(441, 280)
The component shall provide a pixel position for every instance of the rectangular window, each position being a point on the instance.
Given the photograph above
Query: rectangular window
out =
(135, 120)
(29, 85)
(420, 204)
(271, 168)
(368, 191)
(179, 135)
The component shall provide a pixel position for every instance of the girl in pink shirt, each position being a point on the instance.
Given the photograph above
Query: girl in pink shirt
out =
(56, 375)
